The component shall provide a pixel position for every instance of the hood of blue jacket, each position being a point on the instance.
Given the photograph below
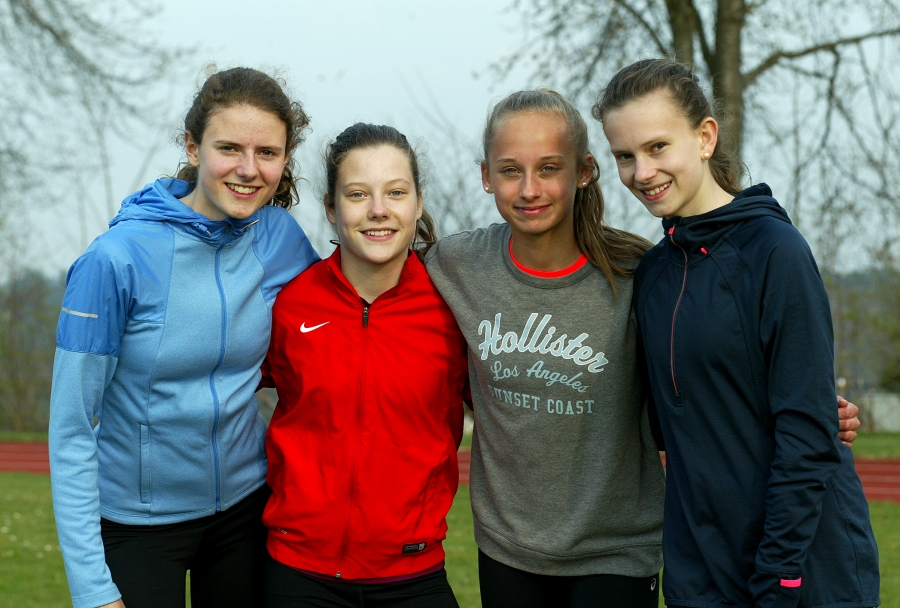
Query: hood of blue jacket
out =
(706, 230)
(158, 202)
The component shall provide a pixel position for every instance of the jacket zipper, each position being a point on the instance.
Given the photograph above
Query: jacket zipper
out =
(675, 312)
(212, 380)
(359, 393)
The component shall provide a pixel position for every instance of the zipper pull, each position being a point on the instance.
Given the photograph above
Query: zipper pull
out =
(338, 575)
(365, 324)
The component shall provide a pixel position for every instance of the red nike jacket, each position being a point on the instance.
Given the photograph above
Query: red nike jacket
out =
(362, 446)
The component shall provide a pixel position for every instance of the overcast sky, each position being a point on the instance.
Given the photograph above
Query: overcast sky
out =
(346, 61)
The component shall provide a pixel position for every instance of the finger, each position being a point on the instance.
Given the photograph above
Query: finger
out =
(848, 411)
(849, 424)
(847, 437)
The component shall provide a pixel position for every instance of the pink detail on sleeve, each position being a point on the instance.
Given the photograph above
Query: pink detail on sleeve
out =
(703, 249)
(792, 583)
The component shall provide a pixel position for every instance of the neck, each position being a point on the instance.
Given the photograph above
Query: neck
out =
(546, 252)
(371, 280)
(710, 197)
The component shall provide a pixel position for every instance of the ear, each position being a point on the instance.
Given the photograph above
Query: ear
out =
(709, 136)
(588, 166)
(192, 149)
(329, 210)
(419, 207)
(486, 177)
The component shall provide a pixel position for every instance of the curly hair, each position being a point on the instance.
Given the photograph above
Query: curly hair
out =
(250, 87)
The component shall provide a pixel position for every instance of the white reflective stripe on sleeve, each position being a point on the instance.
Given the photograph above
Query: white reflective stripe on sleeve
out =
(88, 315)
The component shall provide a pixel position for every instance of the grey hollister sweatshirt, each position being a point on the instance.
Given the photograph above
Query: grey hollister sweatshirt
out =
(566, 479)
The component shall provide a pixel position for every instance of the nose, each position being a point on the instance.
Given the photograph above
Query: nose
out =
(644, 170)
(530, 188)
(247, 167)
(377, 207)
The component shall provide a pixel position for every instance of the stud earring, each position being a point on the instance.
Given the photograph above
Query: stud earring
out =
(488, 190)
(706, 155)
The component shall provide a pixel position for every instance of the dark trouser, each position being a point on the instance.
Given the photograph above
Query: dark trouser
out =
(503, 586)
(225, 553)
(288, 588)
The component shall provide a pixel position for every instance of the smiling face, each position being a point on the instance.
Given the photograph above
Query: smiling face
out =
(662, 159)
(375, 209)
(534, 172)
(239, 162)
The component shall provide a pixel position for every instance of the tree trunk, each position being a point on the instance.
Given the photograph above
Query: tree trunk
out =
(727, 79)
(683, 20)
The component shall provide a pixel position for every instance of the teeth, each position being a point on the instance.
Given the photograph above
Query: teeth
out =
(243, 189)
(656, 190)
(379, 232)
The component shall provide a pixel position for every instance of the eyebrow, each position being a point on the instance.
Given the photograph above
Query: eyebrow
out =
(653, 140)
(510, 159)
(391, 182)
(227, 142)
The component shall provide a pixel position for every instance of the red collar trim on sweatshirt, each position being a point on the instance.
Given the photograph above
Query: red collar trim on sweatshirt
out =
(554, 274)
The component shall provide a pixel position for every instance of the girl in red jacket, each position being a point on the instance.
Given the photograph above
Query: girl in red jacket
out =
(371, 372)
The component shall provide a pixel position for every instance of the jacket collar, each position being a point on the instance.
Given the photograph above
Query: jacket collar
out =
(702, 233)
(158, 202)
(411, 270)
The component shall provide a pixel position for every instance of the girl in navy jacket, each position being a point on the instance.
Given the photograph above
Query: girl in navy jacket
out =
(763, 506)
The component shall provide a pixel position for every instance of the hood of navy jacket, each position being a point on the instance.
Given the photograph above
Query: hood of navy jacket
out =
(705, 231)
(158, 202)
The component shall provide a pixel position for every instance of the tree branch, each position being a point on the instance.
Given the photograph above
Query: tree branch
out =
(705, 49)
(776, 57)
(662, 48)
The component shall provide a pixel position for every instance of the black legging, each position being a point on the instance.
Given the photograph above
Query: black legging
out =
(505, 587)
(288, 588)
(225, 553)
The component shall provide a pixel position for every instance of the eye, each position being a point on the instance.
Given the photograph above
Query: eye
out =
(268, 153)
(657, 147)
(548, 168)
(508, 171)
(623, 158)
(356, 195)
(226, 148)
(397, 193)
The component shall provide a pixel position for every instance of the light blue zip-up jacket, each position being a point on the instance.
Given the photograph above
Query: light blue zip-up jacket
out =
(164, 326)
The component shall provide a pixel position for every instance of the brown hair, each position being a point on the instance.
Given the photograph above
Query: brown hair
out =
(651, 75)
(607, 248)
(363, 135)
(250, 87)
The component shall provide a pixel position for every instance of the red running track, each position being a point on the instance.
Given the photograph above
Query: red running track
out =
(24, 456)
(880, 478)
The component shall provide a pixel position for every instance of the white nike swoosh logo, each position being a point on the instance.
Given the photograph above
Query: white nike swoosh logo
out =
(305, 330)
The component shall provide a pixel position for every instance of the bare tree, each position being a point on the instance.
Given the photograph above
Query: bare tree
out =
(71, 74)
(803, 87)
(454, 196)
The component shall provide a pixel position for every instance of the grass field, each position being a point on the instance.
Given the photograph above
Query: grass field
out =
(31, 570)
(877, 445)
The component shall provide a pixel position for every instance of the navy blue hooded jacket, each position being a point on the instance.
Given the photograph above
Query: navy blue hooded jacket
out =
(736, 328)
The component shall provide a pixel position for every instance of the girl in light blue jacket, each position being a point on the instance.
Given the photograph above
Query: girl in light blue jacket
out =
(157, 450)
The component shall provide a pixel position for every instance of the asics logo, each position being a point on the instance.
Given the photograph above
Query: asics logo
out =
(305, 330)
